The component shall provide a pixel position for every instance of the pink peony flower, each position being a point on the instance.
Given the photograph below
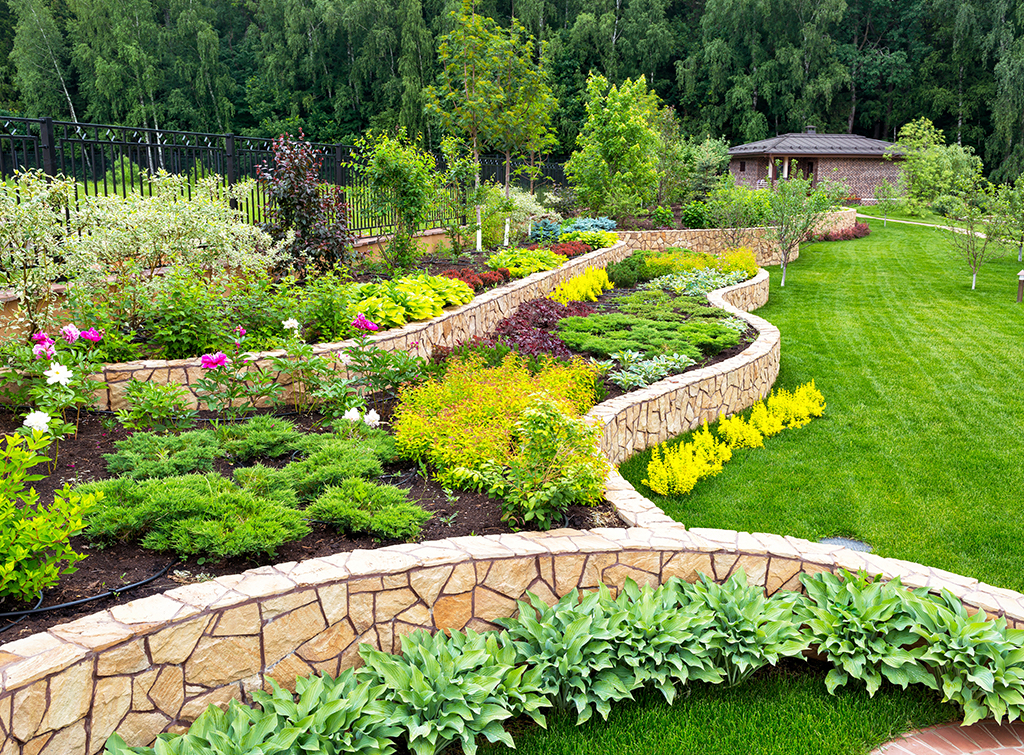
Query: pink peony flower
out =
(70, 333)
(42, 339)
(362, 323)
(92, 335)
(212, 361)
(43, 350)
(240, 330)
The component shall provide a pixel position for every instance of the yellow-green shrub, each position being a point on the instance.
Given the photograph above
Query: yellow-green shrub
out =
(739, 258)
(674, 471)
(584, 287)
(469, 415)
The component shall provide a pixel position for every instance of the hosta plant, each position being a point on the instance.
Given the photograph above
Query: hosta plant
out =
(751, 631)
(862, 626)
(343, 716)
(573, 643)
(443, 690)
(236, 731)
(976, 663)
(664, 638)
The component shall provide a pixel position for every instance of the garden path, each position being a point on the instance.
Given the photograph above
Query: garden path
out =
(985, 738)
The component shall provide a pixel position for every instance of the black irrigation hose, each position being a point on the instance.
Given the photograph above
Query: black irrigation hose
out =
(17, 621)
(73, 603)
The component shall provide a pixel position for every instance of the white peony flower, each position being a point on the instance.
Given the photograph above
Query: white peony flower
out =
(290, 324)
(58, 373)
(352, 415)
(372, 418)
(37, 421)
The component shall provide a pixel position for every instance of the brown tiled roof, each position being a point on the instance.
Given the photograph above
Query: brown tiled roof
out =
(815, 144)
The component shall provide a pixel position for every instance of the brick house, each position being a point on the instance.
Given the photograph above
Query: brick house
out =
(857, 161)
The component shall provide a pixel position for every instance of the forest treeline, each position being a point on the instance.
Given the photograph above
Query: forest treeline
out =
(738, 69)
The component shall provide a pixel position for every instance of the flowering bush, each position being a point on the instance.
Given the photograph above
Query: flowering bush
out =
(235, 385)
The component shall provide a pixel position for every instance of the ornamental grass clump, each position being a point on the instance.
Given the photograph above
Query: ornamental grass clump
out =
(675, 470)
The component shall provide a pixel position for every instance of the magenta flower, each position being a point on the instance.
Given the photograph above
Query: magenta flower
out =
(43, 350)
(240, 330)
(70, 333)
(92, 335)
(212, 361)
(42, 339)
(361, 323)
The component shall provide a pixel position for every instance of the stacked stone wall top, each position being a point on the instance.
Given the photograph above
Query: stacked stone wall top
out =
(714, 241)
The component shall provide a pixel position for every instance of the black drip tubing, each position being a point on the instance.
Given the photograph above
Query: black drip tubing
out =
(19, 615)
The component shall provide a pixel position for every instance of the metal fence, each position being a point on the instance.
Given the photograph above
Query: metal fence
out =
(115, 160)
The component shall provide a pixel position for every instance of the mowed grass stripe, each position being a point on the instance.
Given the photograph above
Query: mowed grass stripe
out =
(921, 451)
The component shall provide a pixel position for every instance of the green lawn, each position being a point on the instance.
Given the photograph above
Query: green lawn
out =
(921, 449)
(776, 712)
(929, 217)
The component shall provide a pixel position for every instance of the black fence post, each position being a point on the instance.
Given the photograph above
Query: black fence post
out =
(338, 152)
(48, 147)
(229, 165)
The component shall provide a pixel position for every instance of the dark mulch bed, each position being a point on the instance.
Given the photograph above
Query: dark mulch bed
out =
(81, 460)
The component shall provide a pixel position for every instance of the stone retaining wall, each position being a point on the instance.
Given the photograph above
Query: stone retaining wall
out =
(714, 240)
(648, 416)
(457, 324)
(154, 664)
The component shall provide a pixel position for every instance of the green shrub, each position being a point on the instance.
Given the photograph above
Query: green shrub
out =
(191, 515)
(630, 271)
(358, 506)
(586, 286)
(695, 215)
(334, 461)
(267, 482)
(663, 217)
(603, 335)
(148, 455)
(156, 407)
(862, 627)
(262, 435)
(469, 415)
(180, 320)
(523, 262)
(34, 540)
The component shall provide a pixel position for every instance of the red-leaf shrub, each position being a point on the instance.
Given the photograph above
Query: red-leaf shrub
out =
(859, 231)
(478, 281)
(571, 248)
(299, 201)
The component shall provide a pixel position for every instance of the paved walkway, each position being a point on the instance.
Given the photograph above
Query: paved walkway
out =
(953, 739)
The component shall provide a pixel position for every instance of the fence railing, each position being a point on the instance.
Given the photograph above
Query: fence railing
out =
(115, 160)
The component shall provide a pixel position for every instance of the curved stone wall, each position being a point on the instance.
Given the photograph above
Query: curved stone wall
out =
(154, 664)
(713, 240)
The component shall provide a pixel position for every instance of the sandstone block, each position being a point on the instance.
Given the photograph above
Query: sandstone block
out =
(390, 603)
(488, 605)
(274, 607)
(96, 632)
(69, 697)
(328, 644)
(125, 659)
(453, 611)
(288, 670)
(427, 583)
(239, 621)
(68, 740)
(282, 635)
(462, 580)
(360, 610)
(219, 697)
(29, 709)
(140, 690)
(334, 599)
(110, 702)
(168, 691)
(221, 660)
(510, 577)
(175, 644)
(594, 572)
(568, 569)
(643, 560)
(139, 729)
